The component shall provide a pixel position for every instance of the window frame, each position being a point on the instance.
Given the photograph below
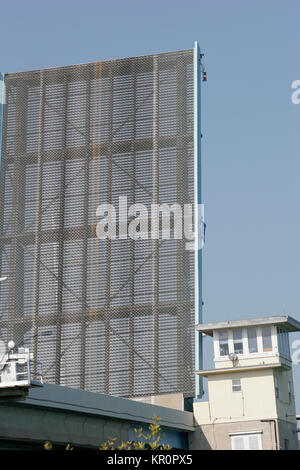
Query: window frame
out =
(245, 435)
(283, 343)
(269, 337)
(228, 345)
(235, 341)
(256, 337)
(240, 385)
(246, 354)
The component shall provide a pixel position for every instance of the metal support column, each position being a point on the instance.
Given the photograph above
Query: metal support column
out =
(132, 242)
(2, 173)
(155, 199)
(108, 241)
(197, 201)
(86, 171)
(15, 303)
(37, 242)
(179, 243)
(60, 263)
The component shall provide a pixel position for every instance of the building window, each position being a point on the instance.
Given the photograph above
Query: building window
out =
(238, 340)
(283, 343)
(247, 441)
(236, 385)
(252, 340)
(266, 333)
(290, 392)
(223, 343)
(276, 386)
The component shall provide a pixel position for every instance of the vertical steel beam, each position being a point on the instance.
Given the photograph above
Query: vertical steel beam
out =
(197, 201)
(179, 243)
(37, 243)
(60, 253)
(155, 199)
(108, 241)
(2, 173)
(87, 157)
(132, 242)
(96, 185)
(16, 251)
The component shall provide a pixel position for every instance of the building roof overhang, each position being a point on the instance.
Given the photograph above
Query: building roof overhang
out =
(225, 370)
(288, 323)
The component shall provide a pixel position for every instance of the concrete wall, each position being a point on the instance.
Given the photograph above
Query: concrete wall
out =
(61, 415)
(33, 425)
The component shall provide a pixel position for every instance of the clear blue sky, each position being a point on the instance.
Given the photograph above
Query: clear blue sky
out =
(251, 129)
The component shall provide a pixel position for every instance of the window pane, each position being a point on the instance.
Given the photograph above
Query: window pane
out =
(246, 442)
(223, 343)
(238, 443)
(254, 442)
(238, 340)
(276, 386)
(267, 339)
(286, 344)
(252, 340)
(290, 392)
(236, 385)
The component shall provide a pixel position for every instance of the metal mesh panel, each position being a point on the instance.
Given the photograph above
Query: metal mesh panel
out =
(110, 316)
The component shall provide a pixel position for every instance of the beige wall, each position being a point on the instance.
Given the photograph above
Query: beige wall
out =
(255, 401)
(254, 360)
(228, 411)
(170, 400)
(216, 436)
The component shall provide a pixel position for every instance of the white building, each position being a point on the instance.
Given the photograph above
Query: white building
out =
(251, 394)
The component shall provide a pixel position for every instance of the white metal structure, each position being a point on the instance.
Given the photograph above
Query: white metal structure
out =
(18, 369)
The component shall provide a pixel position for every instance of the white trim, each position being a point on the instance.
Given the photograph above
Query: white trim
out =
(275, 339)
(15, 383)
(216, 344)
(245, 342)
(259, 340)
(244, 432)
(230, 341)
